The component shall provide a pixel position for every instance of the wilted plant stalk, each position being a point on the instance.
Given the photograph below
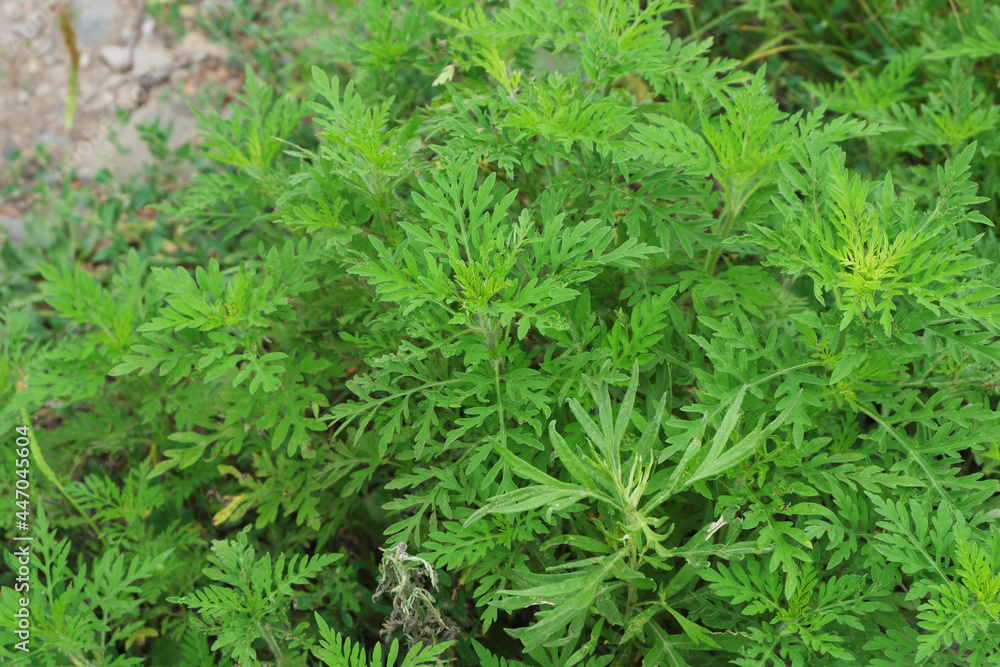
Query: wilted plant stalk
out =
(69, 36)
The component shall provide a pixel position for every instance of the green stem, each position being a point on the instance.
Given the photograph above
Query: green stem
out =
(841, 340)
(713, 254)
(79, 660)
(69, 36)
(632, 596)
(500, 417)
(265, 631)
(36, 451)
(690, 19)
(607, 87)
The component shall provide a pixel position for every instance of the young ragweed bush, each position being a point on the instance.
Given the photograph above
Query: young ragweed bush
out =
(582, 319)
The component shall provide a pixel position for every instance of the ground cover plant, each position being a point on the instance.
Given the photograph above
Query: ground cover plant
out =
(537, 333)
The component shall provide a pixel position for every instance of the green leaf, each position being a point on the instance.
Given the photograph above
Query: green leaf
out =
(529, 498)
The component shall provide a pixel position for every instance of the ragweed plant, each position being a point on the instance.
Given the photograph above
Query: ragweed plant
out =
(579, 343)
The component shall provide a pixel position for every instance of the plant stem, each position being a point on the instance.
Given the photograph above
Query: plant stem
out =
(265, 631)
(36, 451)
(841, 339)
(79, 660)
(713, 254)
(69, 35)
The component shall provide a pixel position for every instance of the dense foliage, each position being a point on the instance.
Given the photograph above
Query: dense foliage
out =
(674, 353)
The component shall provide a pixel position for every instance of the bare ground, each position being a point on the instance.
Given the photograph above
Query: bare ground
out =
(167, 72)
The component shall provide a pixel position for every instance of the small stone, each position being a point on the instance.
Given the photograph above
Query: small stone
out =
(115, 57)
(129, 96)
(197, 44)
(145, 59)
(155, 40)
(104, 100)
(51, 140)
(95, 20)
(114, 81)
(150, 59)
